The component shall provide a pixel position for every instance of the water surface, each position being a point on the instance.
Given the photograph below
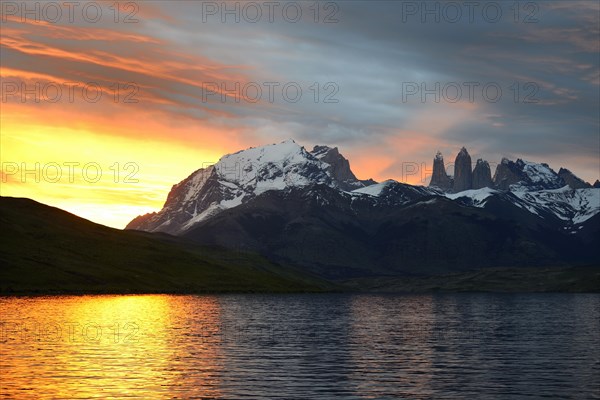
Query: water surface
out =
(472, 346)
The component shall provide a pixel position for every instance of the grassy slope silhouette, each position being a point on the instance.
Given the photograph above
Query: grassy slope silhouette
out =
(47, 250)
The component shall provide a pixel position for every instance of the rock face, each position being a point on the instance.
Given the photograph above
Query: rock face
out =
(507, 173)
(439, 177)
(482, 175)
(339, 167)
(596, 184)
(463, 176)
(573, 181)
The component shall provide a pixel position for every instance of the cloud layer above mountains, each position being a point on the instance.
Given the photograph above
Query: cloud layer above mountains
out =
(388, 82)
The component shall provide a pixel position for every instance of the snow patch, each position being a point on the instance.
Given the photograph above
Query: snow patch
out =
(197, 182)
(213, 209)
(236, 201)
(539, 173)
(271, 167)
(575, 205)
(478, 196)
(374, 190)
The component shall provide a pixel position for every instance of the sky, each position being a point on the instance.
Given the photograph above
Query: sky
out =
(106, 105)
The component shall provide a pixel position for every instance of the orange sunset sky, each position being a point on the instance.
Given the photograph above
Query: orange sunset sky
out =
(102, 118)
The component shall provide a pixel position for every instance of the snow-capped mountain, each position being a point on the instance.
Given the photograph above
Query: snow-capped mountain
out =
(240, 177)
(534, 187)
(526, 175)
(307, 208)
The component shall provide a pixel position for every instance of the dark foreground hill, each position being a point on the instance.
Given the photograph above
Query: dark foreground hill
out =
(47, 250)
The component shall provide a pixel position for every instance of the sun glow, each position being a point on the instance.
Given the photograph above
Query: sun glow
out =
(93, 174)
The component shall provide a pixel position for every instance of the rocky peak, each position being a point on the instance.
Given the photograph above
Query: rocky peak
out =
(463, 176)
(596, 184)
(338, 167)
(320, 151)
(233, 180)
(242, 176)
(507, 173)
(526, 175)
(573, 181)
(482, 175)
(539, 176)
(439, 177)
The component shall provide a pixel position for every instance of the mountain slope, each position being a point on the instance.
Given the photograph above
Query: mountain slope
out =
(47, 250)
(341, 235)
(569, 207)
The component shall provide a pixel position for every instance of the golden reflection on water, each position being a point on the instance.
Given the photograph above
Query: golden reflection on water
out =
(298, 346)
(107, 347)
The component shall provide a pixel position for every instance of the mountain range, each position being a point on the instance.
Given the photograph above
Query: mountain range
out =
(308, 209)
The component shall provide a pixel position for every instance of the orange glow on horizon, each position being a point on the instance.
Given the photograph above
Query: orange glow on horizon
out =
(107, 179)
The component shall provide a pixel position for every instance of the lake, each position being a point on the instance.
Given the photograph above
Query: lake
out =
(441, 346)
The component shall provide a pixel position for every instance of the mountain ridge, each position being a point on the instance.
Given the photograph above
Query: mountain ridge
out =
(286, 203)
